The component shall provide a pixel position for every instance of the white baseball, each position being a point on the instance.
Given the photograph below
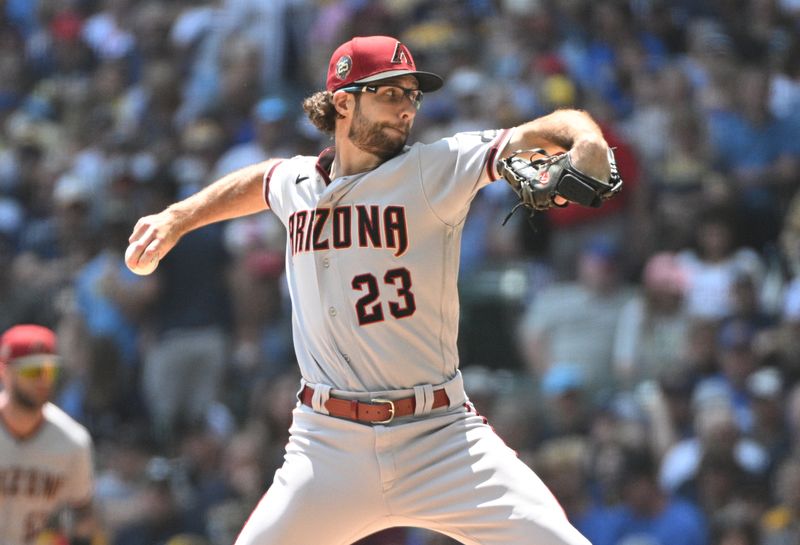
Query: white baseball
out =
(142, 268)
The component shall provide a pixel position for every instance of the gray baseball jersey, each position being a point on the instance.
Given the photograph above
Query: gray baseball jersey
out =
(41, 473)
(372, 260)
(372, 265)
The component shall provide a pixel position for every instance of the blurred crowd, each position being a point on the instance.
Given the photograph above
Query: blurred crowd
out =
(644, 357)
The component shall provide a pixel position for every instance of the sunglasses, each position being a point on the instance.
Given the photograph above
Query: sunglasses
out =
(389, 94)
(48, 371)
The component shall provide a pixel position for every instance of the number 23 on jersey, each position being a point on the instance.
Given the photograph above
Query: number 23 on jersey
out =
(370, 307)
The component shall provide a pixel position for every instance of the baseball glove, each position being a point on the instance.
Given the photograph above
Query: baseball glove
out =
(538, 178)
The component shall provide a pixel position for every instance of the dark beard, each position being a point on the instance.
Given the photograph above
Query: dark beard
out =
(25, 401)
(370, 137)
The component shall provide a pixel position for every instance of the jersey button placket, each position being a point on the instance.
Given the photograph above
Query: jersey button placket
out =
(326, 264)
(325, 280)
(333, 296)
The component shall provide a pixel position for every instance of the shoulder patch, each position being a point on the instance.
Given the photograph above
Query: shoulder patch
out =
(267, 180)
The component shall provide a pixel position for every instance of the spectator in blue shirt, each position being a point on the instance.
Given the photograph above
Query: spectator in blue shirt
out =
(649, 515)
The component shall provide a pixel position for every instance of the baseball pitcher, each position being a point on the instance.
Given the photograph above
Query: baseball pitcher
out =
(383, 433)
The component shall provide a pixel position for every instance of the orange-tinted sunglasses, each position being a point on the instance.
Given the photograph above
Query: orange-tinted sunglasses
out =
(48, 371)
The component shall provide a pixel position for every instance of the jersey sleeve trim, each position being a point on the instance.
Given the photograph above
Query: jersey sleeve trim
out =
(494, 152)
(324, 162)
(267, 178)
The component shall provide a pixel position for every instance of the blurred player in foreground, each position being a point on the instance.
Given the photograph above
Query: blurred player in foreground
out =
(46, 466)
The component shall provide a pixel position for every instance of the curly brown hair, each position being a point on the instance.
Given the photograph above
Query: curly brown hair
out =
(320, 110)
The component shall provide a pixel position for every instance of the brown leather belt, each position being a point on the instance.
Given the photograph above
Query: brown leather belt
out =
(374, 411)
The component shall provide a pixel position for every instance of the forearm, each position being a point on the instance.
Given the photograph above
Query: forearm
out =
(236, 194)
(573, 130)
(561, 127)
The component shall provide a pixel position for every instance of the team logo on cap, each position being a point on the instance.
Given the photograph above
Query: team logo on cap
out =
(399, 56)
(343, 66)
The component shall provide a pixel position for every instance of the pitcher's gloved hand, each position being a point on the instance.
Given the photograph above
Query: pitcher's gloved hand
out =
(538, 178)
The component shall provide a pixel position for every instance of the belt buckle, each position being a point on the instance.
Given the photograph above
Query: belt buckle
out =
(391, 410)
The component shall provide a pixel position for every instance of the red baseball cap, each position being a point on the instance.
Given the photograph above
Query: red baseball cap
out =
(366, 59)
(28, 343)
